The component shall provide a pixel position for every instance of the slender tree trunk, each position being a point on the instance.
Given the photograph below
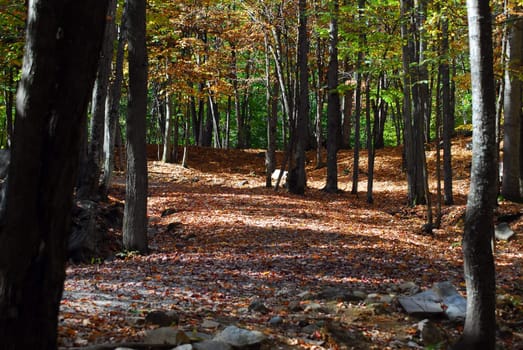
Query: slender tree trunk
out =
(511, 187)
(319, 102)
(357, 112)
(370, 141)
(90, 180)
(448, 118)
(480, 323)
(135, 212)
(272, 115)
(333, 102)
(112, 111)
(62, 47)
(167, 154)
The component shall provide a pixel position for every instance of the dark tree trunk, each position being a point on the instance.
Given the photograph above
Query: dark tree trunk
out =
(333, 102)
(61, 54)
(135, 212)
(90, 180)
(297, 177)
(480, 322)
(319, 101)
(370, 142)
(448, 118)
(511, 187)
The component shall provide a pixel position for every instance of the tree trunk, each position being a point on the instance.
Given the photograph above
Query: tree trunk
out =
(333, 102)
(511, 187)
(135, 212)
(272, 118)
(357, 111)
(167, 154)
(297, 177)
(480, 322)
(319, 102)
(448, 118)
(63, 42)
(112, 110)
(90, 180)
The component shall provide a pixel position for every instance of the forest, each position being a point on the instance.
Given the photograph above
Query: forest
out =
(295, 172)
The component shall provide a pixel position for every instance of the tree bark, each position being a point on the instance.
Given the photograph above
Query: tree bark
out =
(112, 110)
(448, 118)
(480, 322)
(90, 180)
(135, 212)
(512, 186)
(63, 41)
(297, 177)
(333, 102)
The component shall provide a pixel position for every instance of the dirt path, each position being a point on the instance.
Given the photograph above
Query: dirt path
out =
(220, 240)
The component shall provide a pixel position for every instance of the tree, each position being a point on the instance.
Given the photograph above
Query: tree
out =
(135, 212)
(112, 110)
(512, 185)
(90, 179)
(480, 322)
(297, 177)
(333, 102)
(63, 41)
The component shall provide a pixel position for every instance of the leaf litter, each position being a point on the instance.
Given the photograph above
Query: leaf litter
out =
(220, 240)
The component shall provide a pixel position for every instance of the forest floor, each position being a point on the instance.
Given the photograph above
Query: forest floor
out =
(220, 240)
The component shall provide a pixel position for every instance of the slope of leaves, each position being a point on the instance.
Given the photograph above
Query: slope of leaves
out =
(220, 240)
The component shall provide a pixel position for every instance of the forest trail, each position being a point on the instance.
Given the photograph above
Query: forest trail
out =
(220, 240)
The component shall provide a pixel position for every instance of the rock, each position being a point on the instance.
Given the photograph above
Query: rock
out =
(309, 329)
(313, 307)
(409, 287)
(295, 306)
(83, 241)
(211, 345)
(276, 321)
(375, 298)
(305, 295)
(429, 333)
(121, 348)
(358, 295)
(258, 306)
(210, 324)
(162, 318)
(184, 347)
(442, 298)
(238, 337)
(503, 231)
(166, 335)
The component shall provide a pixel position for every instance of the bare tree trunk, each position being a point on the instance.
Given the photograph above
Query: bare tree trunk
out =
(90, 180)
(480, 323)
(333, 103)
(135, 212)
(112, 111)
(297, 177)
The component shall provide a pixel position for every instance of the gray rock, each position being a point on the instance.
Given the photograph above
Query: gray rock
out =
(503, 231)
(276, 321)
(309, 329)
(166, 335)
(295, 306)
(313, 307)
(121, 348)
(211, 345)
(239, 337)
(258, 306)
(210, 324)
(430, 334)
(358, 295)
(442, 298)
(184, 347)
(409, 287)
(162, 318)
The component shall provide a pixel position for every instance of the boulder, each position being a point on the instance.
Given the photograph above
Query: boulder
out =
(167, 335)
(162, 318)
(211, 345)
(238, 337)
